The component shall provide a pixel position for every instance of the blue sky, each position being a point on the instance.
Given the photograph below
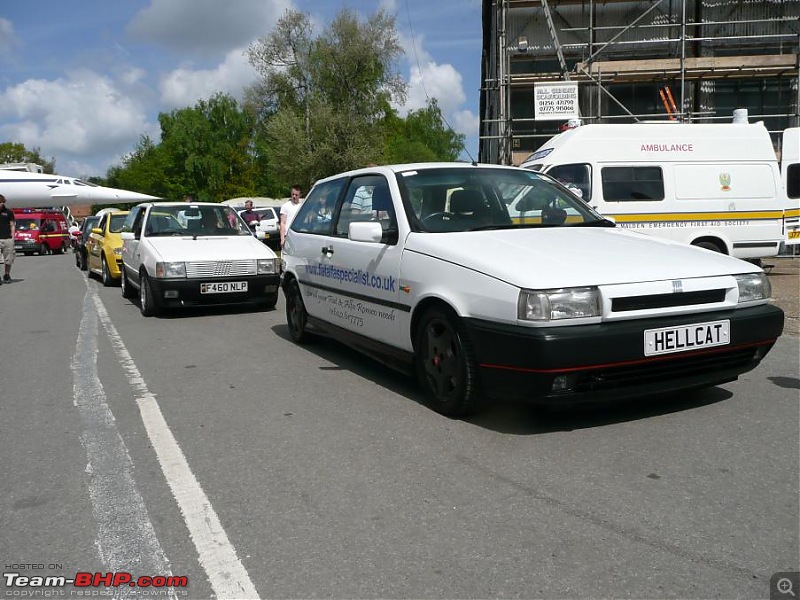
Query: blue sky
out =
(82, 80)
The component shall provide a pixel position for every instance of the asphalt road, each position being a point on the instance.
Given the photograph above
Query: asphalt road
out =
(206, 445)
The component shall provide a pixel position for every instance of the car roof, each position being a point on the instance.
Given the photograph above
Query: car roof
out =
(185, 204)
(397, 168)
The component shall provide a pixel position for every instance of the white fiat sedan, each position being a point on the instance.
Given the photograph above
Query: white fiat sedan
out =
(179, 254)
(492, 281)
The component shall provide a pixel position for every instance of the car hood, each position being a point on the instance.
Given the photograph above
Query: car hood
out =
(217, 248)
(566, 257)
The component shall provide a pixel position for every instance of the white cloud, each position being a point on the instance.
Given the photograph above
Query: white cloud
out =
(94, 116)
(133, 76)
(466, 122)
(184, 86)
(7, 36)
(442, 82)
(429, 79)
(205, 27)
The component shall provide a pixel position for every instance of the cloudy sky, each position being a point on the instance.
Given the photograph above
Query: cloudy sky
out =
(83, 80)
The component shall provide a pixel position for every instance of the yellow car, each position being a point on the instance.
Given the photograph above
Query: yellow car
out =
(104, 248)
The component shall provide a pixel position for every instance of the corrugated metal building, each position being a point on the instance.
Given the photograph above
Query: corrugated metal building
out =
(688, 60)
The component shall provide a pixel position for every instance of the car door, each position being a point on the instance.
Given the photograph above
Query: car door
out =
(130, 247)
(354, 284)
(94, 246)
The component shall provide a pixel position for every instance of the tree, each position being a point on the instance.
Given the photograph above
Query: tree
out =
(324, 98)
(11, 152)
(422, 136)
(141, 170)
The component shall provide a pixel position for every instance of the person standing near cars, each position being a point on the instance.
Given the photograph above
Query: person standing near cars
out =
(6, 238)
(288, 211)
(248, 214)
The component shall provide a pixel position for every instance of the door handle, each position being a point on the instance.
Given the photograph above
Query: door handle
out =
(327, 250)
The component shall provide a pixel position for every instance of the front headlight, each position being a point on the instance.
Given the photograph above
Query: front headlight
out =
(267, 266)
(118, 252)
(551, 305)
(753, 286)
(170, 270)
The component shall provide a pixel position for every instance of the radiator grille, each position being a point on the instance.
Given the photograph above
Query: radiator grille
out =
(221, 268)
(667, 300)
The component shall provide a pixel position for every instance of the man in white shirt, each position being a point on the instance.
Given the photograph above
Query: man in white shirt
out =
(288, 211)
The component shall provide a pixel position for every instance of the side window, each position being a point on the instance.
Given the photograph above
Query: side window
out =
(577, 178)
(626, 184)
(793, 181)
(102, 223)
(316, 213)
(368, 199)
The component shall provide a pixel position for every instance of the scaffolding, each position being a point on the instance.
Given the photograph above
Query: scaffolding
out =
(685, 60)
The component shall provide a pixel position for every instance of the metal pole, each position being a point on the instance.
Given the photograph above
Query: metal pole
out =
(683, 63)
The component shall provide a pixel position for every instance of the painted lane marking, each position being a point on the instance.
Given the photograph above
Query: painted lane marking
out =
(216, 554)
(126, 539)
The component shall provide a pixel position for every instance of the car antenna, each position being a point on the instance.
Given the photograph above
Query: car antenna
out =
(422, 81)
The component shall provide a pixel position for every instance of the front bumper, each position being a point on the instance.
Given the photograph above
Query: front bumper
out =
(586, 363)
(26, 245)
(184, 292)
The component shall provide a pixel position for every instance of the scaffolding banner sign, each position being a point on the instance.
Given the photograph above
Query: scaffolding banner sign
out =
(556, 101)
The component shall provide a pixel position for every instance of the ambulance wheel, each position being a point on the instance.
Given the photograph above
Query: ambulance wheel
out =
(708, 245)
(105, 274)
(148, 305)
(296, 315)
(43, 249)
(445, 363)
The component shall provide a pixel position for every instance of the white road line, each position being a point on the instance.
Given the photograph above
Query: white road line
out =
(126, 539)
(217, 556)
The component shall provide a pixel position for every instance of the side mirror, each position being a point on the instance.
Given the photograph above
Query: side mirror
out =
(97, 230)
(553, 216)
(365, 231)
(127, 235)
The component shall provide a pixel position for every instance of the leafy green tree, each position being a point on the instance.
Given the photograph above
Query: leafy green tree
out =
(142, 170)
(324, 98)
(206, 150)
(422, 136)
(11, 152)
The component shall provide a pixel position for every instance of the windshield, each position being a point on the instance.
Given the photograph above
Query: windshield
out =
(26, 224)
(462, 199)
(194, 220)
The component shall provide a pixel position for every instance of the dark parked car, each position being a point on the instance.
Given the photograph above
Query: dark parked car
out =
(79, 248)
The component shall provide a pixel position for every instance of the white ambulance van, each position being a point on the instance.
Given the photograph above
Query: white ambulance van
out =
(790, 170)
(717, 186)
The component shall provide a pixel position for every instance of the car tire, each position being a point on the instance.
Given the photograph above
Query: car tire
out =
(125, 285)
(148, 305)
(445, 364)
(270, 300)
(296, 315)
(104, 273)
(84, 264)
(43, 249)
